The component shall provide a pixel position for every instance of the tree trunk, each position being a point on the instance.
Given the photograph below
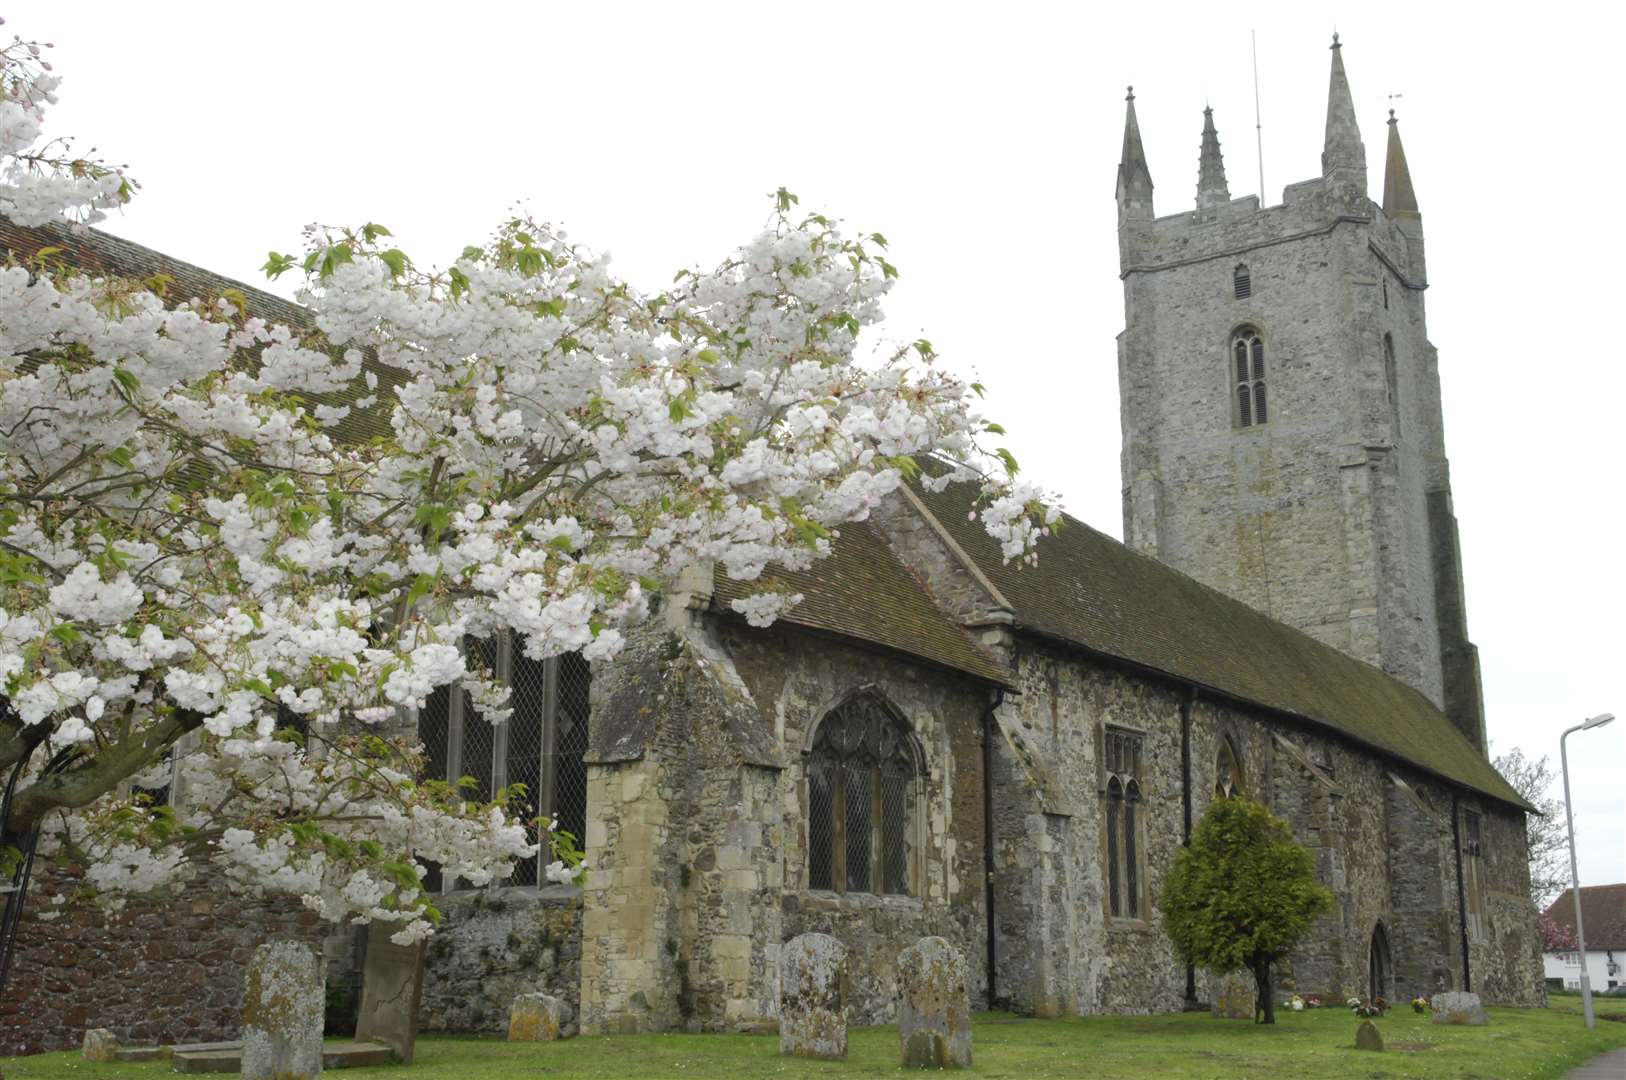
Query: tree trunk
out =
(1264, 1008)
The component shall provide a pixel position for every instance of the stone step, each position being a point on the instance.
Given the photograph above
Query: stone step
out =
(228, 1057)
(203, 1047)
(207, 1061)
(137, 1053)
(352, 1054)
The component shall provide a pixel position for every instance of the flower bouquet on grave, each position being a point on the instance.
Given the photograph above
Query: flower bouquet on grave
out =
(1419, 1005)
(1368, 1010)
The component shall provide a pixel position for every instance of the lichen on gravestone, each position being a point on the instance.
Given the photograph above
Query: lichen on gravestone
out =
(100, 1045)
(283, 1005)
(934, 1006)
(813, 998)
(1368, 1037)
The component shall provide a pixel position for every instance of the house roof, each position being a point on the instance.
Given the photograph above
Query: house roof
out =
(1603, 914)
(97, 253)
(1092, 591)
(862, 591)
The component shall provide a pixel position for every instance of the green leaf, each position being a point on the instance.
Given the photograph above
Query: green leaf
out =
(66, 633)
(1004, 455)
(460, 282)
(372, 231)
(550, 309)
(396, 260)
(979, 389)
(127, 380)
(993, 429)
(784, 200)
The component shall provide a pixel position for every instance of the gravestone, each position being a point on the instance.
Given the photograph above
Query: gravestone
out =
(934, 1006)
(537, 1018)
(391, 992)
(813, 997)
(282, 1013)
(1235, 994)
(100, 1045)
(1368, 1037)
(1458, 1007)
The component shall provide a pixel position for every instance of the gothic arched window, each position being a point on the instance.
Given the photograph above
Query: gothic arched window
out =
(1122, 752)
(861, 783)
(1248, 370)
(1228, 772)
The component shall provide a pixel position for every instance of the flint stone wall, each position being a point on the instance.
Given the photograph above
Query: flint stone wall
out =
(157, 972)
(494, 945)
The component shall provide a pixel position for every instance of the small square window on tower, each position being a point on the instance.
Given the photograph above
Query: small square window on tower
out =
(1241, 282)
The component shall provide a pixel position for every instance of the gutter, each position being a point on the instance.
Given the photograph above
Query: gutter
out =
(988, 836)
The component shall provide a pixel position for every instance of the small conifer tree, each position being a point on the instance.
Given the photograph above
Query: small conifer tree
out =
(1242, 895)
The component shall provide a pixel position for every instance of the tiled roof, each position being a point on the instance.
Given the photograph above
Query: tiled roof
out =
(1603, 914)
(1092, 591)
(99, 253)
(862, 591)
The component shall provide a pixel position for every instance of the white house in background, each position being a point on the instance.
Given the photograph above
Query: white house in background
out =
(1603, 915)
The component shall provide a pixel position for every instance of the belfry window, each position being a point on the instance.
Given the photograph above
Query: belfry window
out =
(1122, 755)
(1241, 282)
(542, 745)
(1391, 380)
(1248, 370)
(861, 789)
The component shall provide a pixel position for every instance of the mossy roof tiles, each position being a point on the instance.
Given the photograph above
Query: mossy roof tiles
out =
(863, 591)
(1092, 591)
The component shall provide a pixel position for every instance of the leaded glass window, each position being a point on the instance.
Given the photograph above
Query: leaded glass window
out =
(1125, 876)
(542, 745)
(861, 783)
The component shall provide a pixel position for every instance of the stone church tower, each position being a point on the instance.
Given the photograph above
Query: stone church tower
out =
(1282, 435)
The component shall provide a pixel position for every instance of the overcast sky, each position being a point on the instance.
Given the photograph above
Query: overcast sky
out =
(982, 140)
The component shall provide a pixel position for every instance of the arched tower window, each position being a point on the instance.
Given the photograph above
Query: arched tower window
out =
(1228, 772)
(1242, 282)
(1248, 374)
(861, 790)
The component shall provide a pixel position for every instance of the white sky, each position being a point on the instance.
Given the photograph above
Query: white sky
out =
(982, 140)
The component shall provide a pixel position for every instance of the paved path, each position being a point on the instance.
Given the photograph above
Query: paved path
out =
(1610, 1066)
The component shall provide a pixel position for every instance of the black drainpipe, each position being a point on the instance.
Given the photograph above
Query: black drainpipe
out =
(988, 832)
(1462, 897)
(1185, 806)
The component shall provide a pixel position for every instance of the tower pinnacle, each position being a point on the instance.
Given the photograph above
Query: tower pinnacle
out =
(1211, 186)
(1399, 198)
(1134, 178)
(1343, 155)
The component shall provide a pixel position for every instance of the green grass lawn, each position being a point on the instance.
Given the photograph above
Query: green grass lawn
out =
(1312, 1045)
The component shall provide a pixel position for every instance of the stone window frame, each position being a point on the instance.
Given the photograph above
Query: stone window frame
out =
(1232, 781)
(881, 711)
(1391, 381)
(1126, 893)
(461, 714)
(1241, 282)
(1246, 376)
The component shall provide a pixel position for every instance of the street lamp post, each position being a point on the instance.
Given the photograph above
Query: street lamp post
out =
(1575, 876)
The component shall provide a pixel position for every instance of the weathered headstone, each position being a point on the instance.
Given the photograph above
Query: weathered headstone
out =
(536, 1018)
(391, 992)
(934, 1006)
(100, 1045)
(282, 1013)
(1234, 995)
(1458, 1007)
(1368, 1037)
(813, 997)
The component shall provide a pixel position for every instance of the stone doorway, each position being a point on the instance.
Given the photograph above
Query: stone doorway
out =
(1379, 966)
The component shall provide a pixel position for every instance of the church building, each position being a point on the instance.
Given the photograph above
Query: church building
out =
(934, 742)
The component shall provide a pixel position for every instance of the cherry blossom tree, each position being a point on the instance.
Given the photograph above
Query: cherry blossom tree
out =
(208, 521)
